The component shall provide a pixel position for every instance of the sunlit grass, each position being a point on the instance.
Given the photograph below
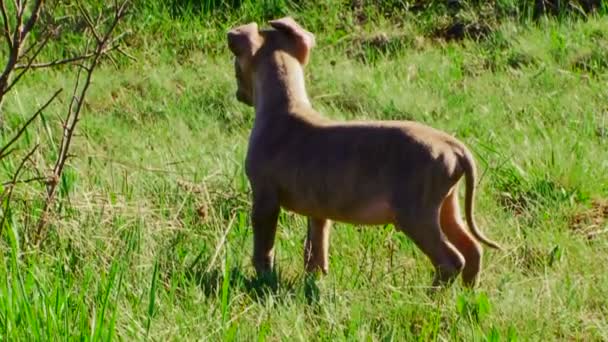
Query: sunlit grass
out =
(152, 238)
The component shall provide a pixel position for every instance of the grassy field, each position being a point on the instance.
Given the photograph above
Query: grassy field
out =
(151, 236)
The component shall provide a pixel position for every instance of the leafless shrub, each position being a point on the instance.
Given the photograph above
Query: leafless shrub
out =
(22, 57)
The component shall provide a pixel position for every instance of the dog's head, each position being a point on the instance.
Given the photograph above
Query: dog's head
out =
(252, 47)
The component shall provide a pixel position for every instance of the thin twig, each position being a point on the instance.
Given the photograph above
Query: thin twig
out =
(73, 116)
(27, 50)
(27, 66)
(17, 4)
(126, 54)
(27, 123)
(80, 100)
(87, 18)
(50, 32)
(13, 54)
(25, 181)
(8, 153)
(13, 182)
(33, 18)
(7, 29)
(61, 61)
(19, 36)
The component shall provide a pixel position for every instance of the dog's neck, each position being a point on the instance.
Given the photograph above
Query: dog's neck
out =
(279, 85)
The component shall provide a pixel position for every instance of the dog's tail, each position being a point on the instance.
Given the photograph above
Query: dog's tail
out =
(468, 164)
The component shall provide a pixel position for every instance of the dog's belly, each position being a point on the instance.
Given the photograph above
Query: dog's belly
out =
(371, 212)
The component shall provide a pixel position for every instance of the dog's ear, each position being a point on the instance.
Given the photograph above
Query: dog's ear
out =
(304, 39)
(244, 40)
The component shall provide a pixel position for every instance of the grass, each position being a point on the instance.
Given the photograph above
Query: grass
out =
(152, 240)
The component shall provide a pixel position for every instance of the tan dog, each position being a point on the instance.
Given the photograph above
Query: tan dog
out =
(380, 172)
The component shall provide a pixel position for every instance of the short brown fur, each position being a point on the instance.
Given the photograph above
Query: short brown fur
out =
(361, 172)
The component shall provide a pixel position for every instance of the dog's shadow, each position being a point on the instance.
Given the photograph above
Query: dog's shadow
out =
(216, 281)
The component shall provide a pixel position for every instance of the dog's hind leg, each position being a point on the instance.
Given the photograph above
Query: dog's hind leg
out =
(425, 231)
(316, 247)
(455, 230)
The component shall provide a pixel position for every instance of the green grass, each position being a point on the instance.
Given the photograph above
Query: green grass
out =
(130, 256)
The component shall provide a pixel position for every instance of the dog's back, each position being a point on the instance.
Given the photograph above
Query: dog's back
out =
(334, 169)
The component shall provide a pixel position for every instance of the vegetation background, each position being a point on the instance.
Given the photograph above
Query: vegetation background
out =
(150, 235)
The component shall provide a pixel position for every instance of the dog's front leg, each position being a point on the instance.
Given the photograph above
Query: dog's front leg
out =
(316, 248)
(264, 218)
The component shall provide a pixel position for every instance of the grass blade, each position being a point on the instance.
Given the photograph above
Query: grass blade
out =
(152, 298)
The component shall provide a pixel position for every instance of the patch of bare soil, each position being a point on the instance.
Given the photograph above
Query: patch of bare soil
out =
(365, 46)
(592, 222)
(459, 30)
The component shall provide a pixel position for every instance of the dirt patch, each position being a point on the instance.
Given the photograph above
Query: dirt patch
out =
(594, 62)
(518, 60)
(368, 48)
(592, 222)
(515, 203)
(459, 30)
(534, 260)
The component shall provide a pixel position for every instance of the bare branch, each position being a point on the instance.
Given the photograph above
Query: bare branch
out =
(87, 18)
(27, 66)
(62, 61)
(29, 180)
(73, 116)
(19, 36)
(49, 32)
(73, 100)
(126, 54)
(118, 38)
(54, 63)
(13, 56)
(27, 123)
(13, 182)
(7, 29)
(28, 49)
(18, 8)
(8, 153)
(33, 18)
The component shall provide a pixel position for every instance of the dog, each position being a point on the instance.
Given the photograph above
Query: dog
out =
(359, 172)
